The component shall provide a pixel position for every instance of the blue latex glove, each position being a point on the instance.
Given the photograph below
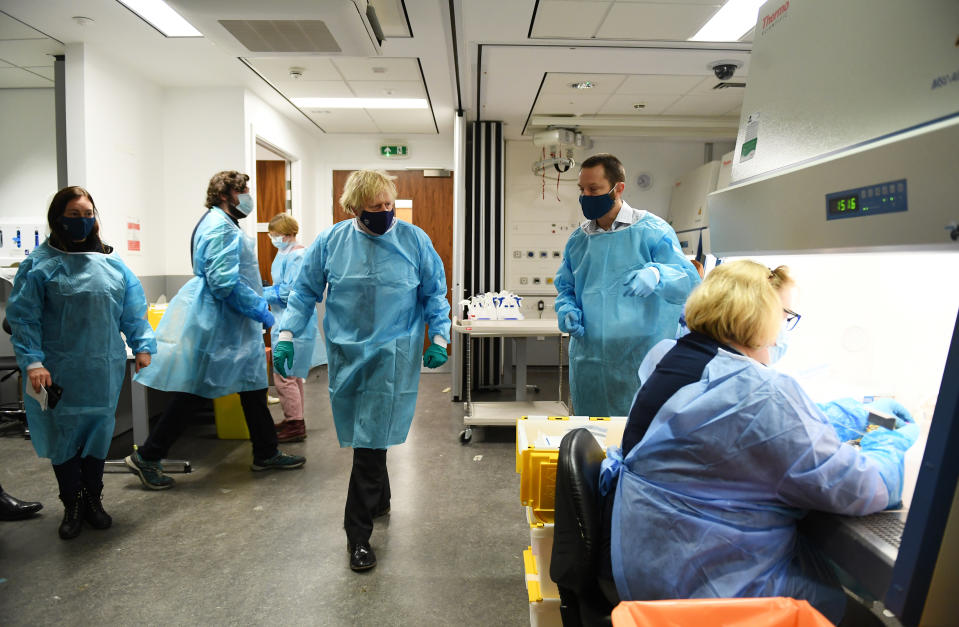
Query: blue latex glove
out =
(571, 321)
(847, 416)
(641, 282)
(267, 319)
(435, 356)
(890, 406)
(271, 295)
(283, 357)
(886, 447)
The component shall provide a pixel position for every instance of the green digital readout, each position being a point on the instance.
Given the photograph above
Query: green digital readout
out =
(844, 204)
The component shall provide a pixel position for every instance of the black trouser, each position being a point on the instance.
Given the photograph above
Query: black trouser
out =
(184, 406)
(79, 472)
(368, 494)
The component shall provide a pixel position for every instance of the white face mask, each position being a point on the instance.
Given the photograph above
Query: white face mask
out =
(777, 350)
(279, 242)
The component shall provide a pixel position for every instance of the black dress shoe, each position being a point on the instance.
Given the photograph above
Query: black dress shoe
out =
(12, 508)
(361, 556)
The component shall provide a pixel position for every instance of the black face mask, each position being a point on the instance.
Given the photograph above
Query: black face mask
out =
(378, 221)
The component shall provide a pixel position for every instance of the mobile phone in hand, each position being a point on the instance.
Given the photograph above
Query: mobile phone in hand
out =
(54, 392)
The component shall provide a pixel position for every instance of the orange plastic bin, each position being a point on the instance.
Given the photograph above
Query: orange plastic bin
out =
(756, 612)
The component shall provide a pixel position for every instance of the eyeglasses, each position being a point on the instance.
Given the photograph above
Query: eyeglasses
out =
(792, 319)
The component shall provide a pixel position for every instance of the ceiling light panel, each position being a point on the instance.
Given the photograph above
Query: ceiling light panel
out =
(668, 22)
(559, 83)
(161, 17)
(360, 103)
(734, 20)
(564, 19)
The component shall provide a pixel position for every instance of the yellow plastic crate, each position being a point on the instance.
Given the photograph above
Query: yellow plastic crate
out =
(537, 449)
(230, 419)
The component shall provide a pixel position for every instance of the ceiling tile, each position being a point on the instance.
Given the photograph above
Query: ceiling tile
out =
(715, 104)
(344, 121)
(30, 52)
(623, 104)
(664, 21)
(363, 69)
(559, 83)
(403, 120)
(278, 68)
(388, 89)
(313, 89)
(564, 19)
(581, 104)
(12, 29)
(658, 84)
(13, 77)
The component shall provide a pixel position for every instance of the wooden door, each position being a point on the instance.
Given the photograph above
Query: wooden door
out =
(432, 198)
(270, 201)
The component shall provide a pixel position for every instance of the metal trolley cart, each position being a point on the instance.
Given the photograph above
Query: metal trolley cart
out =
(505, 413)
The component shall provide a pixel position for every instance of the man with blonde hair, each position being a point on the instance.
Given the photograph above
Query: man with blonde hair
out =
(383, 281)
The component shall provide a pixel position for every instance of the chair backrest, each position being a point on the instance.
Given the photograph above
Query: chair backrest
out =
(577, 531)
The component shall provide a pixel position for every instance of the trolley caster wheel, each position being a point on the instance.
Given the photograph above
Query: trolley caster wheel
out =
(466, 435)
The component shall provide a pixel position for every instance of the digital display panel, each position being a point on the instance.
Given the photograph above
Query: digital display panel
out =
(844, 204)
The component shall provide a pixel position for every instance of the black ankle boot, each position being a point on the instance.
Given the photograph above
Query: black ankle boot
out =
(93, 511)
(72, 516)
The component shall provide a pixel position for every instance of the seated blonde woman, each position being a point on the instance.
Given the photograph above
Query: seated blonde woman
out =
(722, 455)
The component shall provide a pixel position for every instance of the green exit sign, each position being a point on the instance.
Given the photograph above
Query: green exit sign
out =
(397, 150)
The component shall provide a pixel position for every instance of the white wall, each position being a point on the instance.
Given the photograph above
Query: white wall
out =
(28, 159)
(202, 135)
(541, 220)
(116, 154)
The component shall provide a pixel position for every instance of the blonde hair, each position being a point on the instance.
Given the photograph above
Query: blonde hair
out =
(736, 303)
(780, 278)
(363, 186)
(284, 224)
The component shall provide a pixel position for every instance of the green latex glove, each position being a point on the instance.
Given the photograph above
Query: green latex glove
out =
(283, 357)
(435, 356)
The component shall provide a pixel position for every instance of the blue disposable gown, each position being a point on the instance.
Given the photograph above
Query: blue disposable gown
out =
(209, 341)
(706, 503)
(67, 310)
(619, 330)
(380, 290)
(286, 267)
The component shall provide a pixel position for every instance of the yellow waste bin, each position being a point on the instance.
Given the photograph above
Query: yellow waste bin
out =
(230, 419)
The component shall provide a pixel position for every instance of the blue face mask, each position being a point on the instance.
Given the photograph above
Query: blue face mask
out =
(279, 243)
(77, 229)
(595, 207)
(246, 204)
(777, 350)
(377, 221)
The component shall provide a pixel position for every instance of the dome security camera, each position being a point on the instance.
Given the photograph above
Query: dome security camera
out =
(725, 69)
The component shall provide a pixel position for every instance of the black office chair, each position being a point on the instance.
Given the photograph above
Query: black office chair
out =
(13, 412)
(586, 597)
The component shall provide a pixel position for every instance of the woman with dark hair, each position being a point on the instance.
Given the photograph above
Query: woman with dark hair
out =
(72, 297)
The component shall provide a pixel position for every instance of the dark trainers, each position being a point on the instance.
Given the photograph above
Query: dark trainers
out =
(362, 556)
(150, 473)
(280, 461)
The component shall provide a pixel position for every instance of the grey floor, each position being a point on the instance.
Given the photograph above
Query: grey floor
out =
(227, 546)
